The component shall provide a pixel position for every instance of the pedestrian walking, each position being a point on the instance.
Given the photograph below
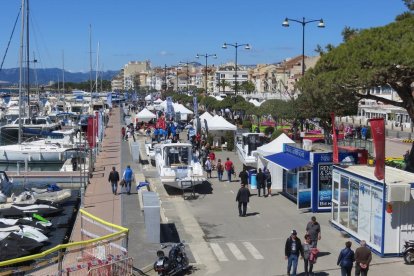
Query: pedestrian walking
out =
(207, 166)
(127, 177)
(113, 178)
(307, 250)
(268, 178)
(244, 176)
(314, 230)
(229, 167)
(293, 248)
(261, 182)
(242, 198)
(363, 257)
(123, 132)
(346, 259)
(220, 169)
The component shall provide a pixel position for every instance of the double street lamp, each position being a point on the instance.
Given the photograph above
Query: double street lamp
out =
(236, 45)
(206, 56)
(303, 22)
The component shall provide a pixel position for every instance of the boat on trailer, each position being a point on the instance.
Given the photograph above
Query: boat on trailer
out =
(177, 166)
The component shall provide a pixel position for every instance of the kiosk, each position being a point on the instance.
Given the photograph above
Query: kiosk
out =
(379, 212)
(307, 175)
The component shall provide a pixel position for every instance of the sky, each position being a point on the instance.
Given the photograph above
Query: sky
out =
(168, 31)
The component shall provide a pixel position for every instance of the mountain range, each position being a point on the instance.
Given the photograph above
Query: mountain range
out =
(47, 75)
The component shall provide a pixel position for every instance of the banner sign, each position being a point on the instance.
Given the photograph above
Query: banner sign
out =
(90, 133)
(170, 108)
(378, 135)
(325, 185)
(195, 105)
(109, 99)
(335, 140)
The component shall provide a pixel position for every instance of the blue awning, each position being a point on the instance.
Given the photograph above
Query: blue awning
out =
(287, 161)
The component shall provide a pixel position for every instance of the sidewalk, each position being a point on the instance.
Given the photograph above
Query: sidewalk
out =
(99, 199)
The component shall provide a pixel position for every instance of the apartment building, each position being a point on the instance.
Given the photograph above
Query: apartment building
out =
(227, 73)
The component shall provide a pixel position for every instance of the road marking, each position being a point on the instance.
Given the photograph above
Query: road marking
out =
(236, 252)
(255, 253)
(218, 252)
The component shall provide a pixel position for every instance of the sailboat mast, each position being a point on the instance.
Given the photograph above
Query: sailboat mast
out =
(28, 57)
(97, 68)
(21, 71)
(90, 58)
(63, 72)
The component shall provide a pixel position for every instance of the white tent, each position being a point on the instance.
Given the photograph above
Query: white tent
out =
(255, 102)
(158, 101)
(145, 115)
(148, 97)
(184, 111)
(273, 147)
(205, 116)
(219, 123)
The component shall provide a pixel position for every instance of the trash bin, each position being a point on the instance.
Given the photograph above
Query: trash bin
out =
(250, 172)
(253, 181)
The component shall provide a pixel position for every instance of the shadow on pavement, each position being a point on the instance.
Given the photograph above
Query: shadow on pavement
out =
(204, 188)
(252, 214)
(169, 233)
(321, 254)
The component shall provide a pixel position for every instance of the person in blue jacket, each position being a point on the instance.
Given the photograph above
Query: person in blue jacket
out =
(346, 259)
(127, 176)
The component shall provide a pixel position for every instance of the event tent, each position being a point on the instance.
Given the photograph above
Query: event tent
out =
(219, 123)
(275, 146)
(145, 115)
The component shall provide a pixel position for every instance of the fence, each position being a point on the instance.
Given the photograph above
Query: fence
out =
(102, 247)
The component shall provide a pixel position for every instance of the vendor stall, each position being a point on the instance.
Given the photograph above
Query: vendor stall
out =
(381, 213)
(307, 176)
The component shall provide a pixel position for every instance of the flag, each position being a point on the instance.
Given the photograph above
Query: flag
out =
(378, 135)
(335, 156)
(109, 99)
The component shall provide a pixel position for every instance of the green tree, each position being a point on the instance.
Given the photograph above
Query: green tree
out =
(382, 56)
(248, 87)
(223, 84)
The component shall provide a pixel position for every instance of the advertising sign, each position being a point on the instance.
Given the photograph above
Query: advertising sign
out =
(324, 185)
(353, 205)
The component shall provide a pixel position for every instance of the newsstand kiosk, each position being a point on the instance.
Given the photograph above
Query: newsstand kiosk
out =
(307, 176)
(379, 212)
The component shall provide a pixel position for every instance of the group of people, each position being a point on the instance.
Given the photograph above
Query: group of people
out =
(358, 132)
(308, 251)
(126, 180)
(127, 132)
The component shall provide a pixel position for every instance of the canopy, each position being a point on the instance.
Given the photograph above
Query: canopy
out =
(275, 146)
(148, 97)
(219, 123)
(287, 161)
(158, 101)
(177, 108)
(206, 116)
(145, 115)
(255, 102)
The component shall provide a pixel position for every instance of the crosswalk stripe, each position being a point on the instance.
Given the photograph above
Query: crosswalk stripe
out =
(252, 250)
(218, 252)
(236, 252)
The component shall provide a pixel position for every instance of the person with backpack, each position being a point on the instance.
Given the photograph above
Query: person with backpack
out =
(346, 259)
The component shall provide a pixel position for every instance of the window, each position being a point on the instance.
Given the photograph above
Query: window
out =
(235, 76)
(244, 76)
(222, 75)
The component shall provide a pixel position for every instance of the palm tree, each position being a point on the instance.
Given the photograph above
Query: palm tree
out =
(223, 84)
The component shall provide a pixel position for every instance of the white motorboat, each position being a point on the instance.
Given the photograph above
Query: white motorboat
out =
(35, 124)
(177, 166)
(30, 197)
(246, 146)
(33, 153)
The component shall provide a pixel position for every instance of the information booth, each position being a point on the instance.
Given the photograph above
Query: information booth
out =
(307, 176)
(367, 209)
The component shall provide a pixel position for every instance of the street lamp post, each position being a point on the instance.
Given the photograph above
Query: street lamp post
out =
(206, 56)
(236, 45)
(321, 24)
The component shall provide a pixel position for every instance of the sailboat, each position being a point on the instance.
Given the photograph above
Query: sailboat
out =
(28, 152)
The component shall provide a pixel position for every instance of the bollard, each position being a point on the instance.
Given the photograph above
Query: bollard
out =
(398, 134)
(409, 136)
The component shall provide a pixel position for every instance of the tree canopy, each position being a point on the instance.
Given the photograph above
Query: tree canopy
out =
(369, 58)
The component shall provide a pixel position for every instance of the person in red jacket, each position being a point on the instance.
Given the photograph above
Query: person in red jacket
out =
(123, 132)
(229, 167)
